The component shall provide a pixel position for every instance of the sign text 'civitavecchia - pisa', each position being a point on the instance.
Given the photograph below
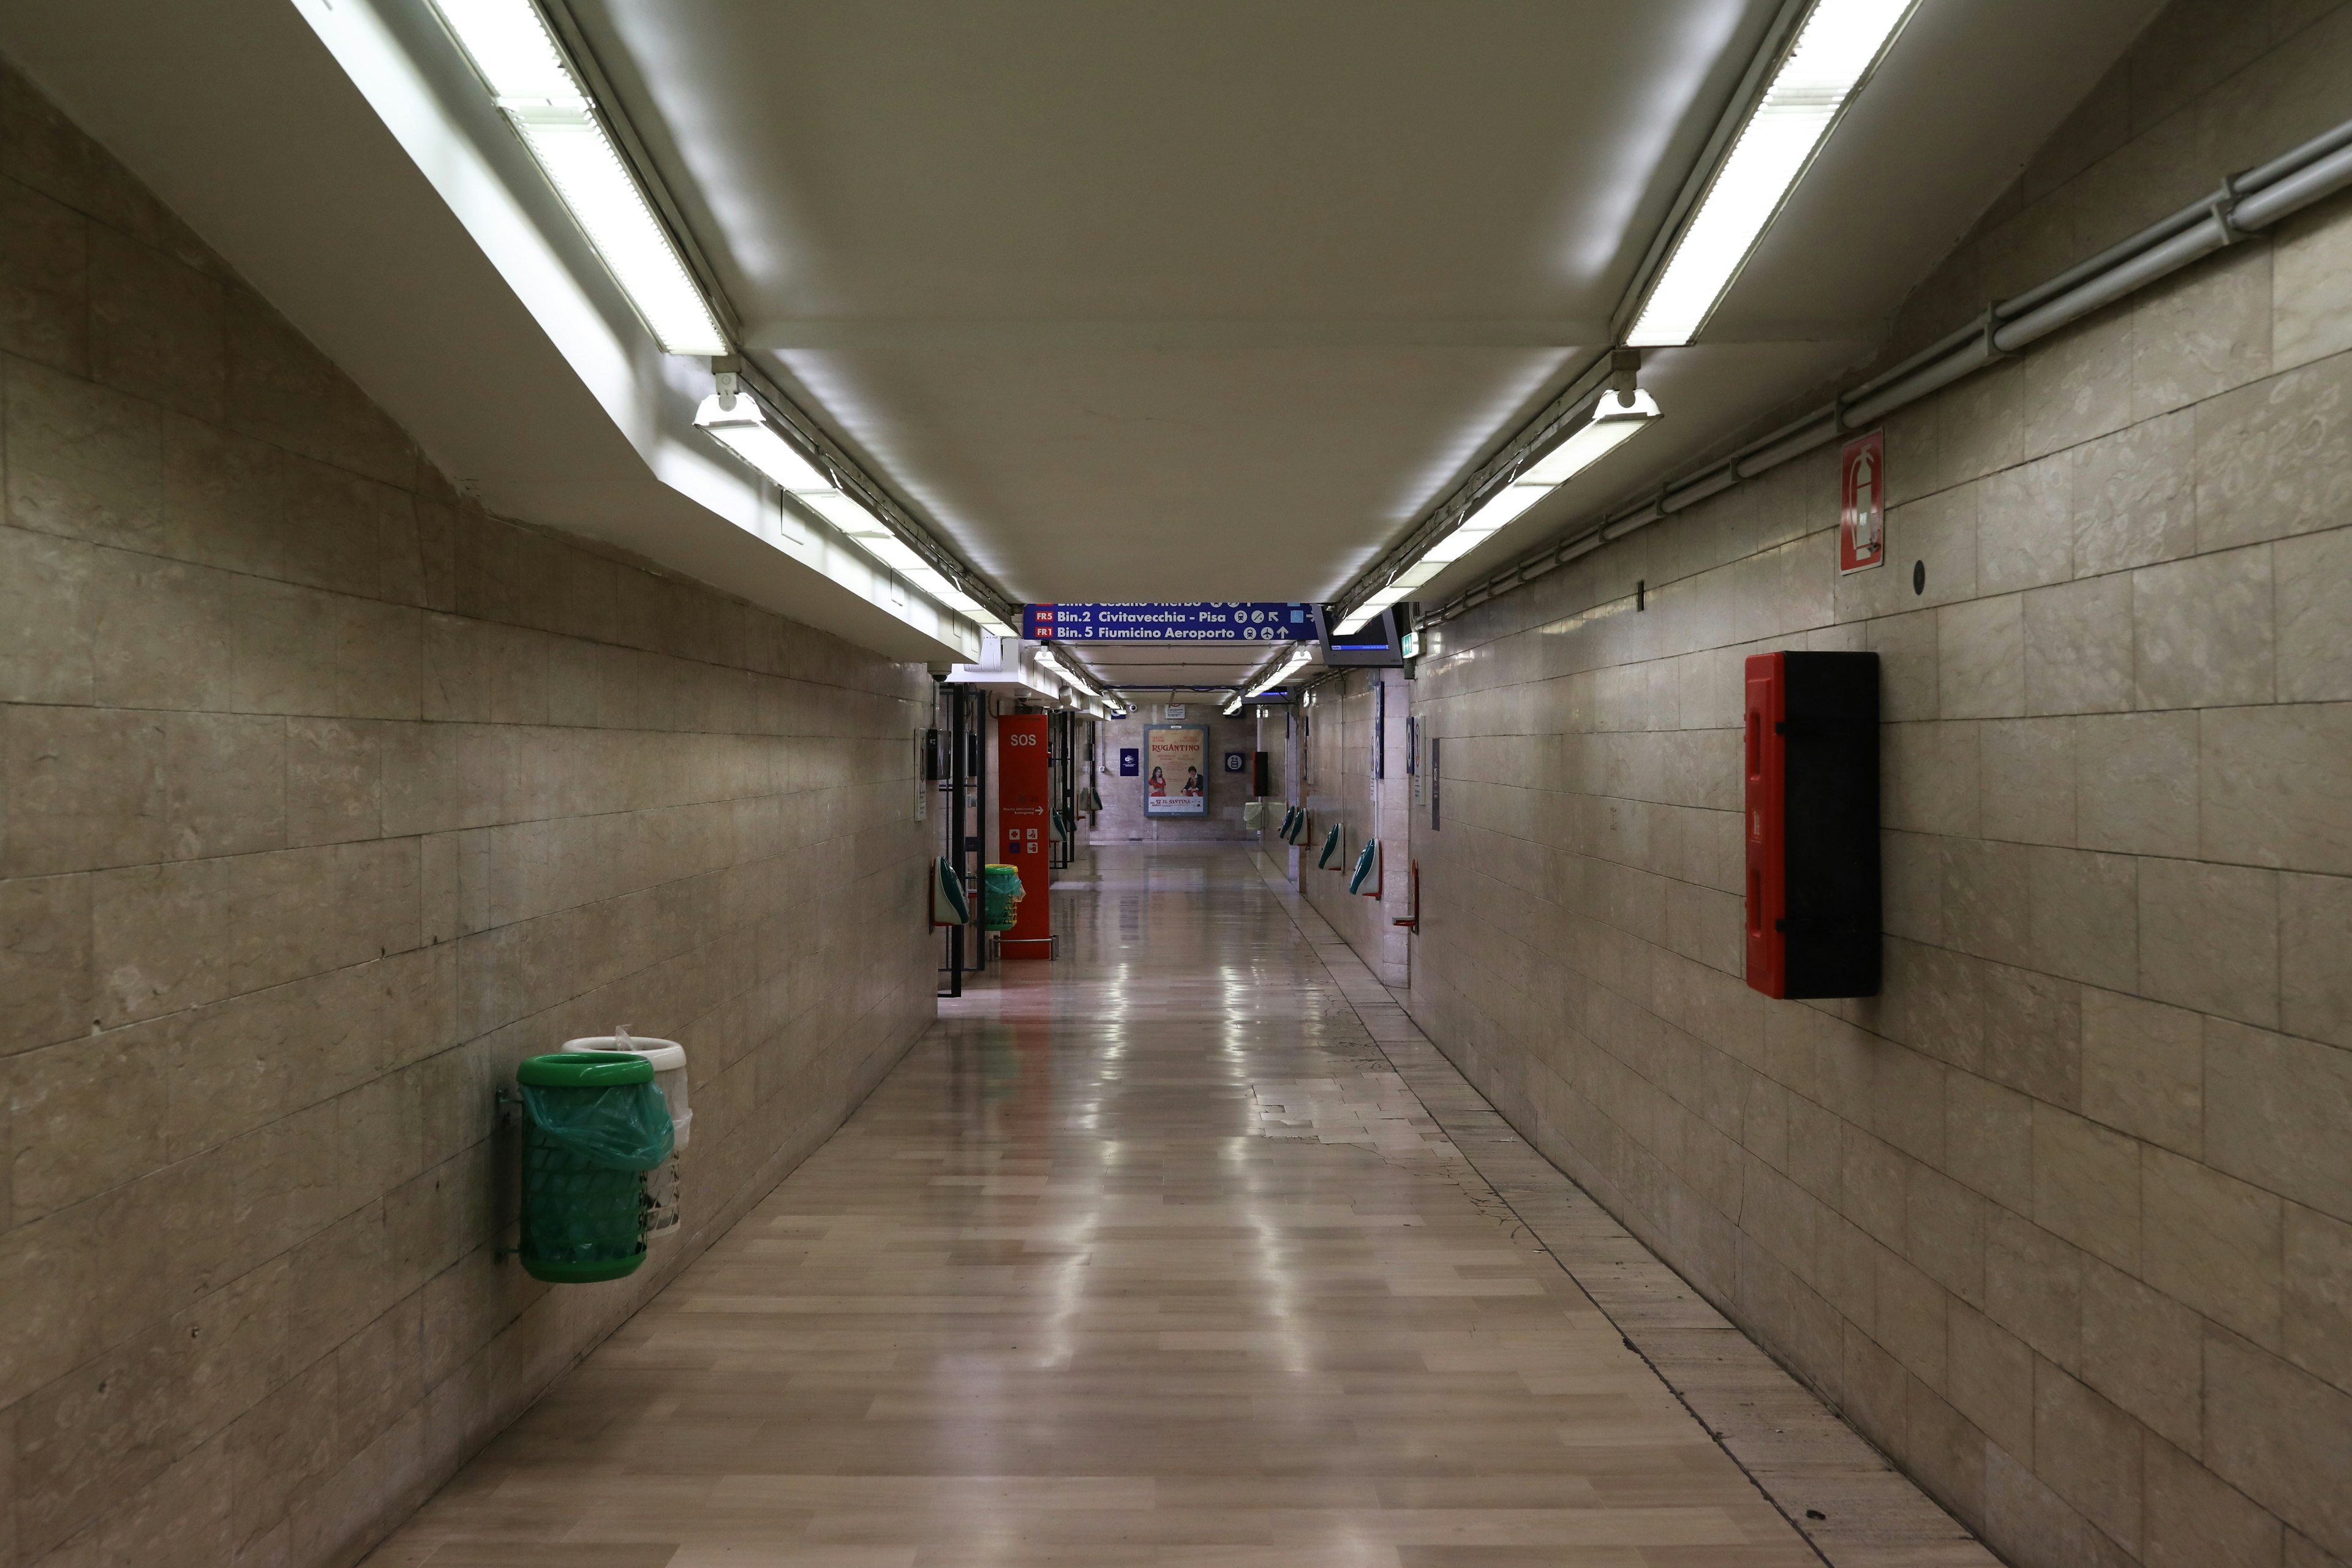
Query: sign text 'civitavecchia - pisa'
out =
(1168, 622)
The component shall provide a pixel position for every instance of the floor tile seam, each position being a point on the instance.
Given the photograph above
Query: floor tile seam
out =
(1441, 1068)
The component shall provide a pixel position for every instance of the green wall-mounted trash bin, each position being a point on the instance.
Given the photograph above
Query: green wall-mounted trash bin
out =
(593, 1124)
(999, 896)
(1330, 848)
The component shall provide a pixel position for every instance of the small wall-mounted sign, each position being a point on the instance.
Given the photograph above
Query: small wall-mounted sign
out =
(1131, 762)
(1861, 504)
(1235, 762)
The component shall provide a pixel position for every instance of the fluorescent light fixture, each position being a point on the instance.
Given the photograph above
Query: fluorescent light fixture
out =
(736, 421)
(1616, 419)
(1291, 667)
(1381, 600)
(534, 85)
(1839, 42)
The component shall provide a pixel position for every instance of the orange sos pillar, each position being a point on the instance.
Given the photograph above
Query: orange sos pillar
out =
(1022, 802)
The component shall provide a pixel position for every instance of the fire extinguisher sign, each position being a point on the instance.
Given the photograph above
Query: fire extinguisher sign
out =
(1861, 504)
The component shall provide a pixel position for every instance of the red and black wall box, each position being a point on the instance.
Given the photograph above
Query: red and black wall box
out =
(1810, 767)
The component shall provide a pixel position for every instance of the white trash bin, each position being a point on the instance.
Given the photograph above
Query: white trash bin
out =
(668, 1058)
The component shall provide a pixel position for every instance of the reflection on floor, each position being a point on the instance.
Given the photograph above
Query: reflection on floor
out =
(1157, 1254)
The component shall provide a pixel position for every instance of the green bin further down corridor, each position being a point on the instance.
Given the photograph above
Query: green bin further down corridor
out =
(999, 896)
(593, 1124)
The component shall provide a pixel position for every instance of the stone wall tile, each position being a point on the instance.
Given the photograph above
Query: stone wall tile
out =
(2201, 333)
(2314, 932)
(2088, 1452)
(2084, 916)
(2281, 1436)
(84, 461)
(45, 618)
(2208, 937)
(2145, 1351)
(282, 652)
(85, 790)
(334, 783)
(44, 281)
(2273, 1104)
(1990, 1374)
(2086, 1185)
(2212, 1242)
(1927, 778)
(2202, 631)
(2275, 458)
(224, 782)
(2196, 1521)
(2313, 575)
(157, 326)
(334, 526)
(1981, 659)
(2316, 1296)
(2311, 303)
(1988, 1140)
(2275, 785)
(1987, 897)
(2033, 1286)
(163, 635)
(223, 499)
(2144, 1070)
(2136, 783)
(2029, 782)
(87, 1115)
(1905, 646)
(2134, 496)
(1911, 1319)
(2025, 526)
(2079, 384)
(45, 960)
(2078, 647)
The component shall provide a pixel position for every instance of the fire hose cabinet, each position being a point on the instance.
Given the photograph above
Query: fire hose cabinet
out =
(1810, 767)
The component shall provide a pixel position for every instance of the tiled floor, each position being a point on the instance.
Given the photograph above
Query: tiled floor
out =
(1158, 1254)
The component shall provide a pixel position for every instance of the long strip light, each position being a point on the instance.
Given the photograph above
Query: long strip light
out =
(1616, 419)
(535, 87)
(1835, 49)
(1297, 661)
(736, 421)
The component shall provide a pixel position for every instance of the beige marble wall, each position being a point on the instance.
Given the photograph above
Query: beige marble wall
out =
(2063, 1220)
(1346, 789)
(326, 799)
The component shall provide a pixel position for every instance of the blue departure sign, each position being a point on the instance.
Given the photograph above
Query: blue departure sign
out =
(1168, 622)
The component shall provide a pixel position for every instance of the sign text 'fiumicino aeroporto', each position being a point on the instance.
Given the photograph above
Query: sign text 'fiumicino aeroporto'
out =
(1168, 622)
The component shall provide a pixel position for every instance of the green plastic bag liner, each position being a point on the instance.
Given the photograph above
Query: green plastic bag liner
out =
(1330, 848)
(1000, 896)
(593, 1124)
(1364, 863)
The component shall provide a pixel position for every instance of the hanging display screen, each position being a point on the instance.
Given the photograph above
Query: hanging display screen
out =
(1175, 769)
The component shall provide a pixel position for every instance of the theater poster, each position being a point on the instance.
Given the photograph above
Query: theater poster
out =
(1175, 769)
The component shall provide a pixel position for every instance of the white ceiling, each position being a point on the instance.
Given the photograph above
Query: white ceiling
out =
(1213, 302)
(1198, 302)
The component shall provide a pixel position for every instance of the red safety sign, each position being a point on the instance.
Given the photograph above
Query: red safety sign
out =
(1861, 504)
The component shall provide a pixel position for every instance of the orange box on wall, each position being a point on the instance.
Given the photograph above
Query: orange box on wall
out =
(1022, 802)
